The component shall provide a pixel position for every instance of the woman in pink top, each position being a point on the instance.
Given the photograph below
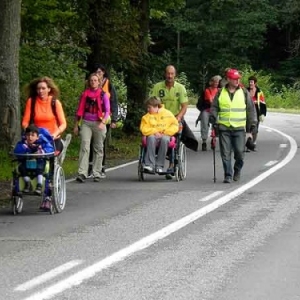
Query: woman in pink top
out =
(209, 95)
(92, 115)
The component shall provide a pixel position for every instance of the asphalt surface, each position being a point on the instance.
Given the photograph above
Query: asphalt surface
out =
(158, 239)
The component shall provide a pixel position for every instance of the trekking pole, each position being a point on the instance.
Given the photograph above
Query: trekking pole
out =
(213, 136)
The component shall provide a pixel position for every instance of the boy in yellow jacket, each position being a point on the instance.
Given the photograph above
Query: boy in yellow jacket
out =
(158, 125)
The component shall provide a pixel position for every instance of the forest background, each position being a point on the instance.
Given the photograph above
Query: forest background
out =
(136, 39)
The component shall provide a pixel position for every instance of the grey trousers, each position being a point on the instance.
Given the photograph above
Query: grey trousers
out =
(88, 131)
(150, 156)
(204, 124)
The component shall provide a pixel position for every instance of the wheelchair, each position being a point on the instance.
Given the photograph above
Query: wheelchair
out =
(176, 155)
(53, 187)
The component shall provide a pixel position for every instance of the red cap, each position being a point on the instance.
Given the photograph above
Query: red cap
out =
(233, 74)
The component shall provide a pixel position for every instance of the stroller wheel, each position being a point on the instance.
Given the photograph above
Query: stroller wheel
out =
(17, 205)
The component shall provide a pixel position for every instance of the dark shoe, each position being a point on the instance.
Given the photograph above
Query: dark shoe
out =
(27, 187)
(80, 178)
(90, 171)
(169, 177)
(38, 189)
(227, 179)
(204, 146)
(237, 175)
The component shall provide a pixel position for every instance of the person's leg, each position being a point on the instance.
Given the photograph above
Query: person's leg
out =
(238, 144)
(150, 153)
(90, 171)
(162, 151)
(24, 175)
(105, 146)
(83, 162)
(225, 150)
(98, 145)
(204, 128)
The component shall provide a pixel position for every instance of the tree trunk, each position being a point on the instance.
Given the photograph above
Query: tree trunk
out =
(10, 28)
(137, 76)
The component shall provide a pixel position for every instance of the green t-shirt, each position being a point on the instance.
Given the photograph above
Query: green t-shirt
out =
(171, 98)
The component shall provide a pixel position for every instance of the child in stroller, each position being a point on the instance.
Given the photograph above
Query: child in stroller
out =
(35, 141)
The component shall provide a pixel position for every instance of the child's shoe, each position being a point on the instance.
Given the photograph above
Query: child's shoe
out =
(27, 187)
(38, 189)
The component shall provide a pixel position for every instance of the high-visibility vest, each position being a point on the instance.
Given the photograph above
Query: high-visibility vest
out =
(232, 113)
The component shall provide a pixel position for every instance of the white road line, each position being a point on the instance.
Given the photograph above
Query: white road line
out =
(271, 163)
(282, 145)
(47, 276)
(110, 169)
(215, 194)
(149, 240)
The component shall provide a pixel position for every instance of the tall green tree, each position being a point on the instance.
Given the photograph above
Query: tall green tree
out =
(10, 28)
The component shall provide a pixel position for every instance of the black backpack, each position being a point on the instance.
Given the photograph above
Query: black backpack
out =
(200, 102)
(32, 113)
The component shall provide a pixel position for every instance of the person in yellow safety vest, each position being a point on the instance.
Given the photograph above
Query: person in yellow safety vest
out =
(233, 114)
(259, 101)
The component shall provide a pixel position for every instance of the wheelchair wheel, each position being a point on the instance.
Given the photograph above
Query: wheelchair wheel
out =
(59, 189)
(17, 205)
(182, 161)
(140, 172)
(176, 173)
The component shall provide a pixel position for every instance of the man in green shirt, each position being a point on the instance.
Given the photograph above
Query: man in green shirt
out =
(172, 94)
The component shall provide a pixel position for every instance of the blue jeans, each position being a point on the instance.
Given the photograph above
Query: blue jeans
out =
(232, 141)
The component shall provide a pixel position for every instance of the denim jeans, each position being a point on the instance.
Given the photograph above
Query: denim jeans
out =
(232, 141)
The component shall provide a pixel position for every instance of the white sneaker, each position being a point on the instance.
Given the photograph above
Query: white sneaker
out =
(159, 170)
(148, 168)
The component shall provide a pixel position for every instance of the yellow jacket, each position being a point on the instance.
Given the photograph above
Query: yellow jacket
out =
(162, 122)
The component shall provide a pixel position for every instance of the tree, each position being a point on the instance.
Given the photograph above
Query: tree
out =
(10, 28)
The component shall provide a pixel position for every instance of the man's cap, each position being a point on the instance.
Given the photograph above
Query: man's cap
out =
(233, 74)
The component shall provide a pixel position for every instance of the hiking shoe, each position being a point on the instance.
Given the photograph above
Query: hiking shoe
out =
(102, 174)
(27, 187)
(38, 189)
(96, 179)
(80, 178)
(227, 179)
(237, 175)
(169, 177)
(204, 146)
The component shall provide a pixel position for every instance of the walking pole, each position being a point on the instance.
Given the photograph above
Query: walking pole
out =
(213, 136)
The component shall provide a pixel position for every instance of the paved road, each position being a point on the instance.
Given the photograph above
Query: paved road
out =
(158, 239)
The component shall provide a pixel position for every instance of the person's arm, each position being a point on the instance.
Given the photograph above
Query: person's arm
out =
(114, 104)
(183, 103)
(61, 127)
(106, 105)
(26, 116)
(145, 127)
(251, 115)
(172, 127)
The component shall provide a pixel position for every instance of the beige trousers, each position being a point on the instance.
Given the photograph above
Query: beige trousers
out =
(89, 130)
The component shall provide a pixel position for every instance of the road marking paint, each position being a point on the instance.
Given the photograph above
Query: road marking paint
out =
(271, 163)
(282, 145)
(149, 240)
(47, 276)
(215, 194)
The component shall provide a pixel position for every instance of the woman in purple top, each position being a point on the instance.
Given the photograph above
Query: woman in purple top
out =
(92, 114)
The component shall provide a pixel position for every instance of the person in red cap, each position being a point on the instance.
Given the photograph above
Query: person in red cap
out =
(233, 114)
